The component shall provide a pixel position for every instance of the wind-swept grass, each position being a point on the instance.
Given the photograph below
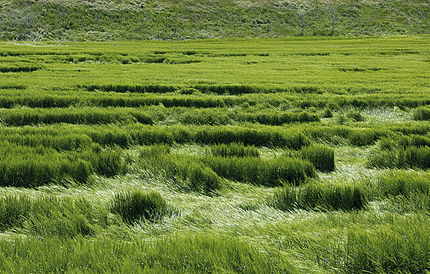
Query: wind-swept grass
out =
(189, 173)
(19, 69)
(41, 100)
(50, 216)
(23, 166)
(176, 253)
(400, 247)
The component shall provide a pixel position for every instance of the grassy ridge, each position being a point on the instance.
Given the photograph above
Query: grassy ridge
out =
(110, 20)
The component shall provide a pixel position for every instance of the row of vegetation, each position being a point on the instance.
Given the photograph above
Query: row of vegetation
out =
(293, 137)
(190, 98)
(24, 166)
(30, 116)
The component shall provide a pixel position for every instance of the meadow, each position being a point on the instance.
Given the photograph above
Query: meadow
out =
(290, 155)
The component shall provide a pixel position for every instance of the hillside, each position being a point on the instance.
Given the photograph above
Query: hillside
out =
(190, 19)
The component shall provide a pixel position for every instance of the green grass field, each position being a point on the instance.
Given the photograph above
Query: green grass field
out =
(291, 155)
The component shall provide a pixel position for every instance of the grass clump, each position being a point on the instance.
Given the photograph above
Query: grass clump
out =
(19, 69)
(136, 205)
(107, 162)
(202, 178)
(327, 113)
(389, 156)
(192, 174)
(322, 157)
(234, 149)
(320, 197)
(421, 114)
(355, 115)
(273, 172)
(400, 182)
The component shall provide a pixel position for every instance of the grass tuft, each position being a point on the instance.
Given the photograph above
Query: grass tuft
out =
(320, 197)
(136, 205)
(322, 157)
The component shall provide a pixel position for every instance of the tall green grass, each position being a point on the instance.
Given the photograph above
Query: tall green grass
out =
(14, 210)
(234, 149)
(421, 114)
(25, 116)
(62, 142)
(189, 173)
(404, 183)
(272, 172)
(188, 253)
(399, 247)
(320, 197)
(132, 88)
(23, 166)
(19, 69)
(51, 216)
(400, 157)
(41, 100)
(322, 157)
(137, 205)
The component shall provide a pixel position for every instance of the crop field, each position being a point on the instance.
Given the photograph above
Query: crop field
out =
(291, 155)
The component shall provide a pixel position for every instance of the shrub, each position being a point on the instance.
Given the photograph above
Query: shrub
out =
(322, 157)
(320, 197)
(135, 205)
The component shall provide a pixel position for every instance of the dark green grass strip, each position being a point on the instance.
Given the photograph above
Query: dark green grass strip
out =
(19, 69)
(320, 197)
(103, 100)
(273, 172)
(25, 116)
